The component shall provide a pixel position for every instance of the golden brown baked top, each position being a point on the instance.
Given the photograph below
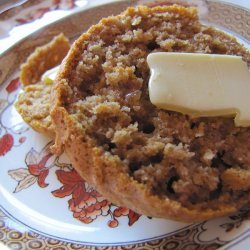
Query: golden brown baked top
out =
(33, 103)
(154, 161)
(43, 58)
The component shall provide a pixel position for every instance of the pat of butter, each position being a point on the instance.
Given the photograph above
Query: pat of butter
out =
(201, 85)
(49, 76)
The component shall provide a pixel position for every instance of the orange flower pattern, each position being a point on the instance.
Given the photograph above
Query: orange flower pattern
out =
(37, 170)
(37, 166)
(6, 143)
(7, 140)
(86, 203)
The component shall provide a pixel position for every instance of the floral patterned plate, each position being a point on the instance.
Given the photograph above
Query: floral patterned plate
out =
(44, 204)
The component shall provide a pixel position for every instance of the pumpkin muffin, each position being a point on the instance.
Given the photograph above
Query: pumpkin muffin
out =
(33, 104)
(156, 162)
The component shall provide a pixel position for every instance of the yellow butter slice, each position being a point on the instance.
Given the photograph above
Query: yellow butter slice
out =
(201, 85)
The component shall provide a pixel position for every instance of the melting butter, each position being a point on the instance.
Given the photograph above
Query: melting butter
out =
(201, 85)
(49, 76)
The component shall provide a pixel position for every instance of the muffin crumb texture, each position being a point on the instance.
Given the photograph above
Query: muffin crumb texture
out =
(199, 164)
(33, 104)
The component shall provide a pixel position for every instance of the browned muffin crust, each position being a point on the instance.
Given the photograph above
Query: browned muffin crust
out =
(43, 58)
(154, 161)
(33, 104)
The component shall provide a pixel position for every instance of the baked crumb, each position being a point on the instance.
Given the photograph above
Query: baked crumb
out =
(164, 156)
(33, 104)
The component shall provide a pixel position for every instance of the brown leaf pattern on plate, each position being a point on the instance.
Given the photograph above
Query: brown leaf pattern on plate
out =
(19, 174)
(25, 183)
(37, 169)
(23, 178)
(237, 219)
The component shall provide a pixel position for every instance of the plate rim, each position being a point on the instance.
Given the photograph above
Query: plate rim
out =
(39, 30)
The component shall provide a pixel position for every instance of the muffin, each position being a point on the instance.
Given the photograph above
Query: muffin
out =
(33, 104)
(157, 162)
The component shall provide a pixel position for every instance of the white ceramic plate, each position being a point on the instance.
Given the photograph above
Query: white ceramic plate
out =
(44, 203)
